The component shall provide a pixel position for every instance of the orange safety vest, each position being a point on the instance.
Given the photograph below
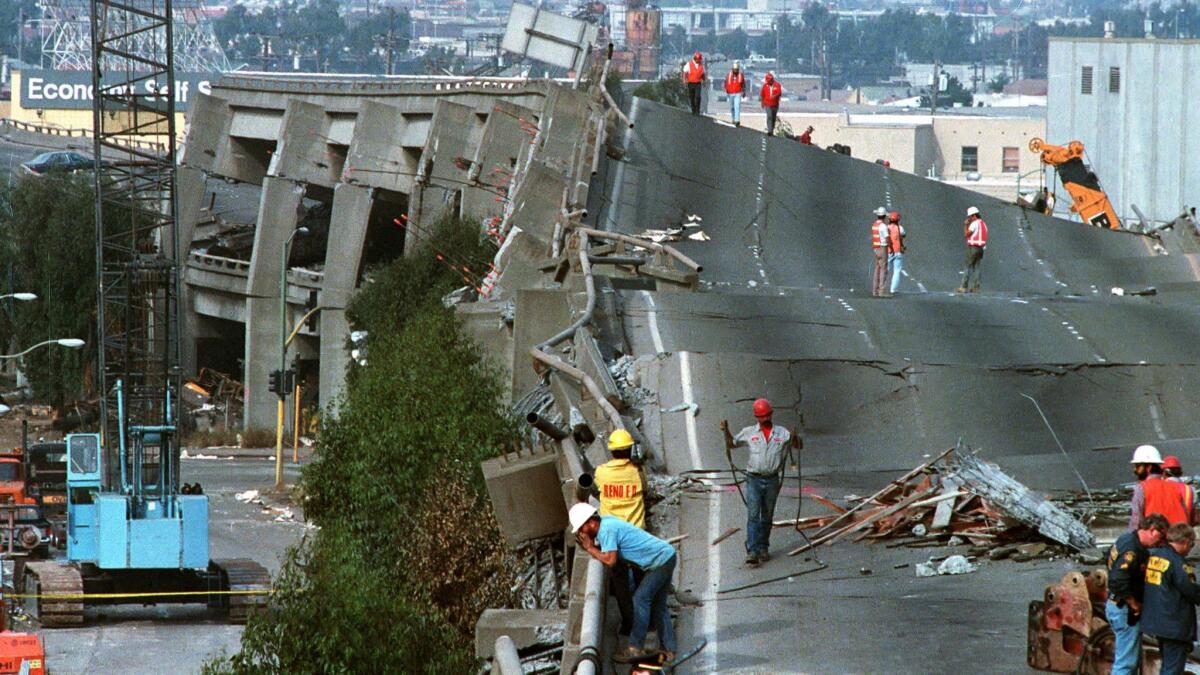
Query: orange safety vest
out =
(979, 236)
(694, 72)
(1167, 497)
(734, 84)
(878, 234)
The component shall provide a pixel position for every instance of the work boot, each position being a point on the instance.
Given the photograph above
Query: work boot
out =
(751, 560)
(961, 289)
(764, 557)
(737, 124)
(975, 289)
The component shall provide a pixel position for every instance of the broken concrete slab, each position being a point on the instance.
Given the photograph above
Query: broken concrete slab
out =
(526, 627)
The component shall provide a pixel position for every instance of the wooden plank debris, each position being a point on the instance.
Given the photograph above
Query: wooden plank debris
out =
(954, 498)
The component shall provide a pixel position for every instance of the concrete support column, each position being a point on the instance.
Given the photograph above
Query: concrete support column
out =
(189, 185)
(347, 236)
(278, 213)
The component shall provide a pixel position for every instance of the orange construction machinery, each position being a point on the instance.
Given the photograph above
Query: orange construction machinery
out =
(1088, 199)
(20, 653)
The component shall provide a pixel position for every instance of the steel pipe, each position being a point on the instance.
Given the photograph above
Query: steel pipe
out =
(585, 487)
(592, 625)
(590, 284)
(614, 417)
(505, 659)
(635, 260)
(543, 425)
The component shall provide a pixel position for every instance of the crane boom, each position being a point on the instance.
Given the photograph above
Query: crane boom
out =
(1088, 199)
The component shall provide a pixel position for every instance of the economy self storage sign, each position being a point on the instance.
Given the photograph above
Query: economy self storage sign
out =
(72, 89)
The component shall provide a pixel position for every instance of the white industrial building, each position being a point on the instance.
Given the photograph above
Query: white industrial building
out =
(1135, 105)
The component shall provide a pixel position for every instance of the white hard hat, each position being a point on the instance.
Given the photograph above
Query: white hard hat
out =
(881, 212)
(582, 512)
(973, 211)
(1146, 454)
(737, 64)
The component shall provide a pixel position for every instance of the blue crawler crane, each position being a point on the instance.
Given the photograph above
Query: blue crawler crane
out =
(135, 533)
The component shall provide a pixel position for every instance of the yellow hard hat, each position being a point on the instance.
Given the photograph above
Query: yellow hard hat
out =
(620, 440)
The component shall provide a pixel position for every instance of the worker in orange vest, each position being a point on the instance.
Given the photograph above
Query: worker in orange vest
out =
(771, 92)
(735, 90)
(1154, 493)
(879, 244)
(976, 233)
(896, 235)
(1173, 471)
(694, 76)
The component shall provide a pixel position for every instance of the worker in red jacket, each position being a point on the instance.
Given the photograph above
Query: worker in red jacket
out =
(771, 91)
(735, 90)
(694, 76)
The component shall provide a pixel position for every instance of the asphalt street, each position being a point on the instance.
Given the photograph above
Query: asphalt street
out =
(879, 384)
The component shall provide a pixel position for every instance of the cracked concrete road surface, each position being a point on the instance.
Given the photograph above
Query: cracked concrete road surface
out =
(883, 383)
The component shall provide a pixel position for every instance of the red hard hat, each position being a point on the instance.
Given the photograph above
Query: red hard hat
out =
(697, 56)
(1171, 462)
(762, 408)
(894, 216)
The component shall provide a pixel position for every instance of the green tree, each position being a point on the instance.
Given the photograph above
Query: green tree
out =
(408, 553)
(47, 246)
(954, 93)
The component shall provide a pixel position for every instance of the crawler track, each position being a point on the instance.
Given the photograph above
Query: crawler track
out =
(241, 574)
(52, 579)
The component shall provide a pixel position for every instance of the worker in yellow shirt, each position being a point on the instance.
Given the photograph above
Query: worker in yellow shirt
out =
(622, 494)
(619, 482)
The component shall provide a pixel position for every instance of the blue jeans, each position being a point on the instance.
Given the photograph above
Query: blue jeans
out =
(761, 493)
(896, 263)
(650, 602)
(1128, 639)
(1174, 656)
(735, 107)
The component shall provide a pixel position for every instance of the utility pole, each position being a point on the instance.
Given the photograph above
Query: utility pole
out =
(933, 90)
(21, 33)
(391, 39)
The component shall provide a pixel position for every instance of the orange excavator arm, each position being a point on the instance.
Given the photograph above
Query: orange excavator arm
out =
(1088, 199)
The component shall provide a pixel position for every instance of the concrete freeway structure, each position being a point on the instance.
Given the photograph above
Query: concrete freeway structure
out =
(374, 150)
(881, 383)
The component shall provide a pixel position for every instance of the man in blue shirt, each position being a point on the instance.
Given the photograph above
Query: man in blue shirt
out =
(607, 539)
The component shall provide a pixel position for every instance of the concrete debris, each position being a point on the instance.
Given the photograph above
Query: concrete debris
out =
(626, 374)
(955, 564)
(214, 400)
(699, 236)
(459, 296)
(689, 406)
(670, 234)
(953, 499)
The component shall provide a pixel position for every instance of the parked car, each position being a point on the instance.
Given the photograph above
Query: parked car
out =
(65, 160)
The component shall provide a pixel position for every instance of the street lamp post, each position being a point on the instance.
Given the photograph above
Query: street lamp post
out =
(283, 341)
(71, 343)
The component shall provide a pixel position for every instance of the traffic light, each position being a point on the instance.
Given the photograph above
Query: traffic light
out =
(276, 385)
(311, 322)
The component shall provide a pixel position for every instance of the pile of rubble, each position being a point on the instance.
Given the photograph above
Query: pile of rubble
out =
(955, 498)
(214, 400)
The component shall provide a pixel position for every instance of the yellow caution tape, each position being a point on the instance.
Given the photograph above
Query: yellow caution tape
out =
(164, 594)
